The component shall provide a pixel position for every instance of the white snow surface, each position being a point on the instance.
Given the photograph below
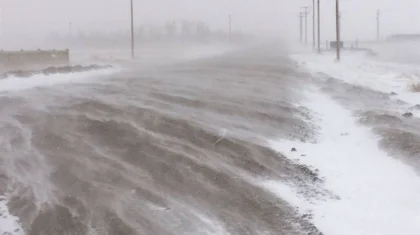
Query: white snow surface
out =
(9, 224)
(360, 69)
(18, 83)
(377, 194)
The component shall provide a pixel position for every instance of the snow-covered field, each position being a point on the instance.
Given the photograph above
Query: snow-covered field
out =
(373, 193)
(376, 194)
(363, 70)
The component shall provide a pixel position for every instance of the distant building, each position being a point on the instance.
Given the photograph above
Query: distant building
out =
(333, 44)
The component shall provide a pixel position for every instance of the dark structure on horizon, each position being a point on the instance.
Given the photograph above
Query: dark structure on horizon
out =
(37, 58)
(333, 44)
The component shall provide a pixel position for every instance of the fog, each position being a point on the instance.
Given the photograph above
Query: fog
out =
(27, 22)
(204, 131)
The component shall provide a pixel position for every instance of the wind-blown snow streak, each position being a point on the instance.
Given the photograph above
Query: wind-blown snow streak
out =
(165, 148)
(376, 194)
(40, 80)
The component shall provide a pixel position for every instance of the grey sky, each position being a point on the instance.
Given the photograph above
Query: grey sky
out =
(34, 17)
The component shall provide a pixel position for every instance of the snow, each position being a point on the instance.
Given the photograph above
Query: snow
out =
(9, 224)
(19, 83)
(377, 194)
(360, 69)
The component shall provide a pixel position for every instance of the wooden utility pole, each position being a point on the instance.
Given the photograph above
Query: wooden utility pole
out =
(340, 20)
(313, 25)
(377, 25)
(337, 23)
(132, 30)
(306, 24)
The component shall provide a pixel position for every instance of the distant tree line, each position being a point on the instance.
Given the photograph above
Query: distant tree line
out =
(183, 31)
(404, 37)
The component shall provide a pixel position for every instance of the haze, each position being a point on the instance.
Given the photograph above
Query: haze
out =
(26, 19)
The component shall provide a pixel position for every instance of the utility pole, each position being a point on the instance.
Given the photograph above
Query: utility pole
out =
(377, 25)
(319, 28)
(337, 23)
(340, 20)
(132, 30)
(313, 24)
(306, 24)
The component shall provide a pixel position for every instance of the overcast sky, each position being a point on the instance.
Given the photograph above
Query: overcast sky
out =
(279, 17)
